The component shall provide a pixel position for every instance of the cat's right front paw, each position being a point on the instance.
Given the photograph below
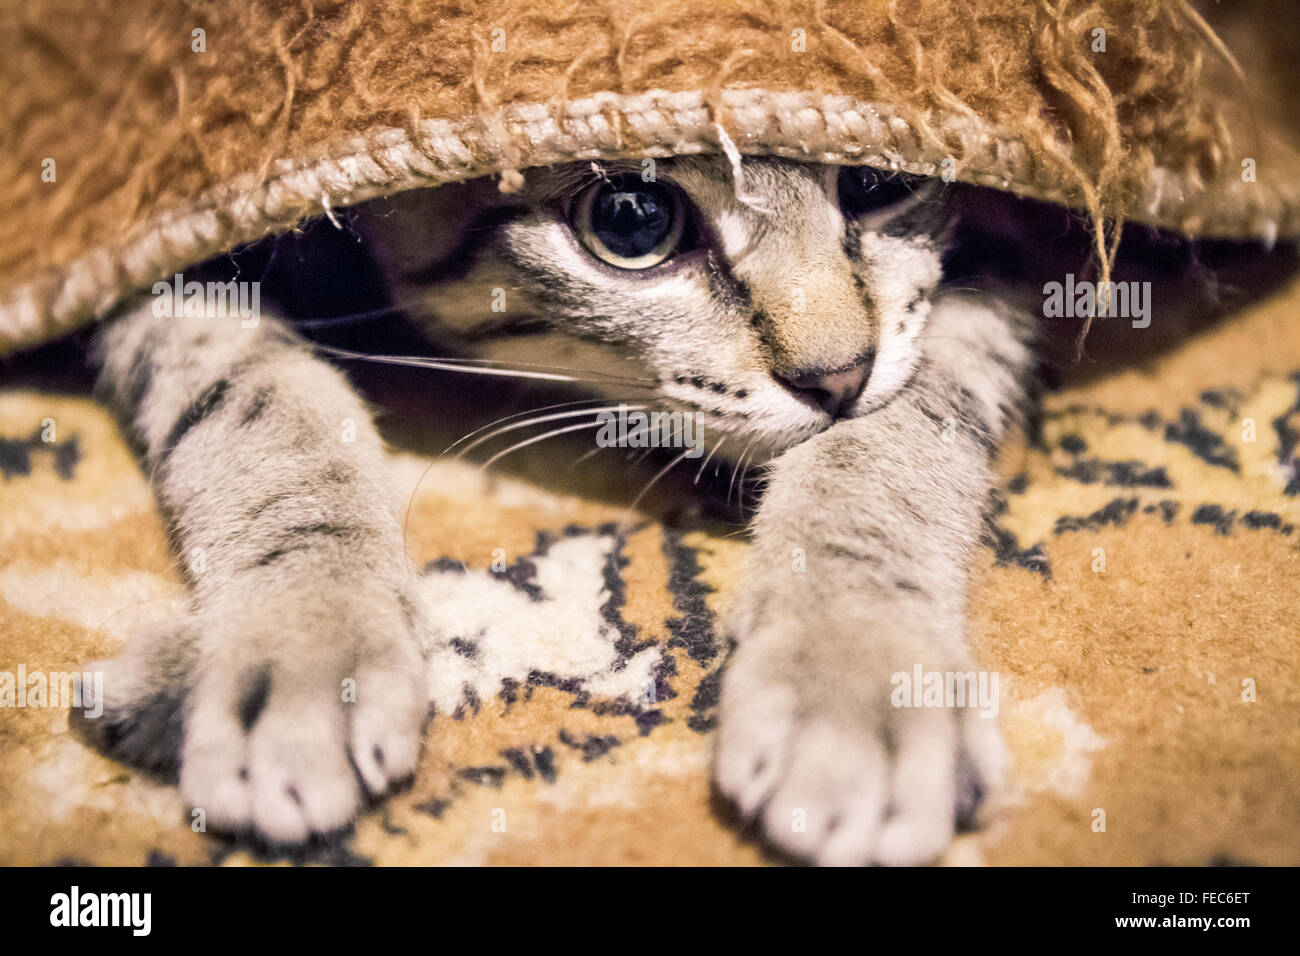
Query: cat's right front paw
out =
(811, 747)
(299, 711)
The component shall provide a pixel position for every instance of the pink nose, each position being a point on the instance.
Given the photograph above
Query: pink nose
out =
(834, 391)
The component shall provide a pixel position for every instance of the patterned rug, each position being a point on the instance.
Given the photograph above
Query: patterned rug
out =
(1137, 599)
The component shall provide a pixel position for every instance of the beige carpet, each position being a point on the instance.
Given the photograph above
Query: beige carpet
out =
(1162, 691)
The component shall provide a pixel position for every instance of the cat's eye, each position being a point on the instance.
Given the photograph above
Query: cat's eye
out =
(629, 223)
(865, 190)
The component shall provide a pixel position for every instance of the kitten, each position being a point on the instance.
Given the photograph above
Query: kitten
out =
(796, 309)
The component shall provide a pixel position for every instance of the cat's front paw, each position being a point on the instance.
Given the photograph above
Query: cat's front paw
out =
(299, 709)
(812, 746)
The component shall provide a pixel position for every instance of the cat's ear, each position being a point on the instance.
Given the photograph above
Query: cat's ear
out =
(412, 233)
(861, 189)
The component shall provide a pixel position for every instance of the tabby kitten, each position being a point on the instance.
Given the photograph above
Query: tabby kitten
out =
(795, 309)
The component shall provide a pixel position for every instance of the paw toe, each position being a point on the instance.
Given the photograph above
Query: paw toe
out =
(220, 790)
(385, 728)
(753, 748)
(833, 795)
(912, 838)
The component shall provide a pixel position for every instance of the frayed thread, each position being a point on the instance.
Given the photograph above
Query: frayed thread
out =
(735, 160)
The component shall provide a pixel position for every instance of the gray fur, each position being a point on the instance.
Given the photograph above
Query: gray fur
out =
(292, 540)
(305, 582)
(887, 514)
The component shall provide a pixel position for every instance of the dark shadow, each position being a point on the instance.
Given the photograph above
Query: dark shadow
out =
(1018, 245)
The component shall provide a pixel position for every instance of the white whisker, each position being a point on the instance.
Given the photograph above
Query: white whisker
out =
(341, 319)
(467, 366)
(536, 438)
(741, 484)
(736, 471)
(556, 416)
(506, 418)
(651, 483)
(585, 455)
(705, 463)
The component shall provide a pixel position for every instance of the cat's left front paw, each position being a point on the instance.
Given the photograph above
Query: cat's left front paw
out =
(810, 745)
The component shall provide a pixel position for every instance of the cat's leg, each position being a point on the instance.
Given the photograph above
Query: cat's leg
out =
(858, 572)
(302, 657)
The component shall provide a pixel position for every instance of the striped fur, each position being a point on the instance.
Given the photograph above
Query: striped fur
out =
(274, 484)
(304, 583)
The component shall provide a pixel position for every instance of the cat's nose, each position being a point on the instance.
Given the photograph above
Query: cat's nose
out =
(836, 390)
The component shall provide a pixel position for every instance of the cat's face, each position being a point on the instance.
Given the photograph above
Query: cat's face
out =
(768, 307)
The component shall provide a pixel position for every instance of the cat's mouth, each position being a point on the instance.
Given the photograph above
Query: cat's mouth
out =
(736, 430)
